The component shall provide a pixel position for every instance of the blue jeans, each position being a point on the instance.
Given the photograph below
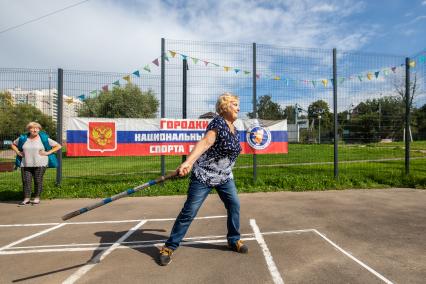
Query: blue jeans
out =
(197, 193)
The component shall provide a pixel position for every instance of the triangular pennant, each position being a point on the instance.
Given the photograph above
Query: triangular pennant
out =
(314, 83)
(236, 71)
(257, 76)
(226, 68)
(386, 72)
(287, 82)
(393, 69)
(360, 77)
(376, 74)
(127, 78)
(136, 73)
(422, 59)
(277, 78)
(69, 101)
(184, 57)
(155, 61)
(166, 58)
(412, 63)
(95, 92)
(246, 72)
(341, 80)
(206, 62)
(172, 53)
(105, 88)
(82, 97)
(116, 83)
(195, 60)
(369, 75)
(217, 65)
(324, 82)
(146, 68)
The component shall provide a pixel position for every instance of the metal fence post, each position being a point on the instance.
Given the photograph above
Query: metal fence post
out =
(407, 115)
(163, 96)
(254, 107)
(336, 122)
(59, 123)
(184, 93)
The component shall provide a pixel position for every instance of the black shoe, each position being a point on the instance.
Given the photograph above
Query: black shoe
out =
(165, 255)
(239, 247)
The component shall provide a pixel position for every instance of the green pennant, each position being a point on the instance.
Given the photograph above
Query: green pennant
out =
(117, 83)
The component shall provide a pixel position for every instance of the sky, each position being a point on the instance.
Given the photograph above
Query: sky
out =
(125, 35)
(120, 35)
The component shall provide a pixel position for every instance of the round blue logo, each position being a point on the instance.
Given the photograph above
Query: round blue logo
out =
(258, 137)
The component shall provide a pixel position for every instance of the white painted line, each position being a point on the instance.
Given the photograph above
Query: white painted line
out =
(100, 256)
(133, 244)
(108, 222)
(121, 246)
(31, 237)
(384, 279)
(276, 276)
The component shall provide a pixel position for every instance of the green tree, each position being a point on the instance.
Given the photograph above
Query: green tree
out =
(377, 119)
(122, 102)
(321, 109)
(267, 109)
(6, 100)
(14, 119)
(419, 121)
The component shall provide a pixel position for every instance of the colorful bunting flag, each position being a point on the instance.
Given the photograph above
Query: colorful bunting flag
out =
(324, 82)
(206, 62)
(166, 58)
(341, 80)
(195, 60)
(393, 69)
(155, 61)
(314, 83)
(376, 74)
(360, 77)
(82, 97)
(69, 101)
(422, 59)
(236, 70)
(116, 83)
(246, 72)
(136, 73)
(105, 88)
(146, 68)
(127, 78)
(412, 63)
(277, 78)
(257, 76)
(226, 68)
(172, 53)
(184, 57)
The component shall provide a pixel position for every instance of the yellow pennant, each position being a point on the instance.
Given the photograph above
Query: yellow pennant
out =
(277, 78)
(412, 63)
(172, 53)
(369, 76)
(324, 82)
(127, 78)
(226, 68)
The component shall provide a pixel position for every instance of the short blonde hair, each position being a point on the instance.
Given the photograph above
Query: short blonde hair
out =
(33, 124)
(222, 104)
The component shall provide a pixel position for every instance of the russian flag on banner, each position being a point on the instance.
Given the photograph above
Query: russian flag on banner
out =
(150, 137)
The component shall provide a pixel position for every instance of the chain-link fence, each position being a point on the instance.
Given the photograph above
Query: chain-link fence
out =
(273, 83)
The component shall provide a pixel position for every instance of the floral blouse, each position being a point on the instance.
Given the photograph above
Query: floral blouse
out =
(214, 167)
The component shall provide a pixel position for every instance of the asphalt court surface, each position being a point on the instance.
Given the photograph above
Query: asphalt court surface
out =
(352, 236)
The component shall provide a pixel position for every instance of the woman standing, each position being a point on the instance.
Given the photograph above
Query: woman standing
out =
(211, 162)
(33, 150)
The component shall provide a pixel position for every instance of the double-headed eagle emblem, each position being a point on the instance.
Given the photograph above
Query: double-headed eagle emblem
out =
(102, 135)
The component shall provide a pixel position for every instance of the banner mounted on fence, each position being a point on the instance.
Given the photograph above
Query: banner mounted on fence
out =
(153, 137)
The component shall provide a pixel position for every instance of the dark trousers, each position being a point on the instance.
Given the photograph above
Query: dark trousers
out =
(30, 173)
